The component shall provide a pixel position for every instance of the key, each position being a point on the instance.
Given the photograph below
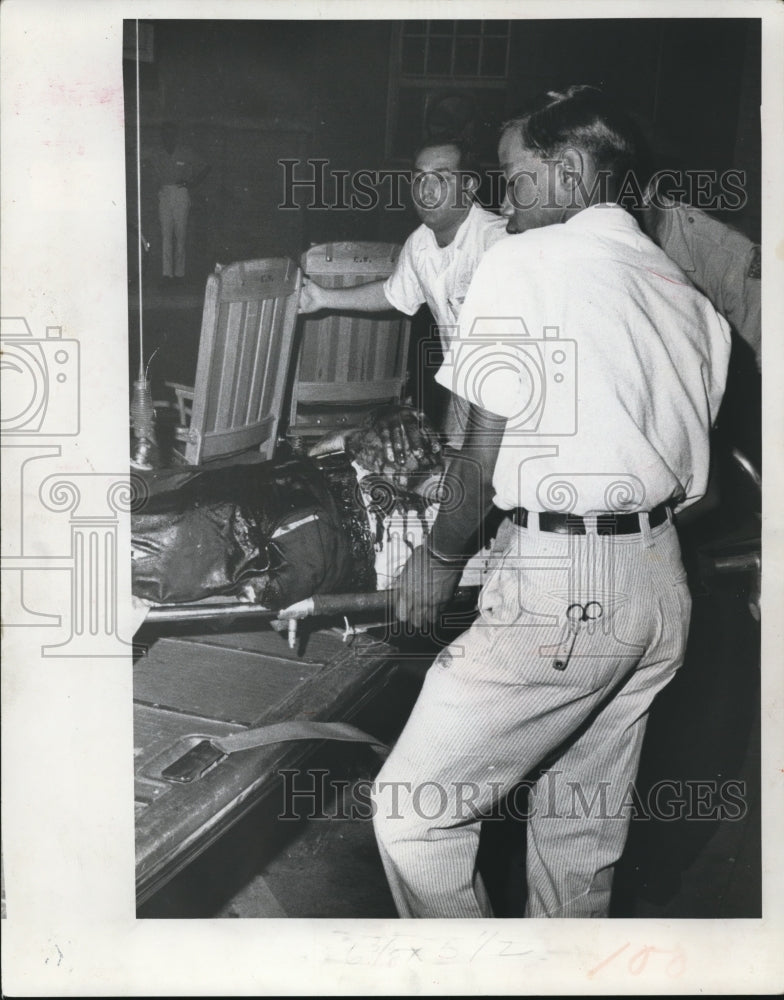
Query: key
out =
(562, 659)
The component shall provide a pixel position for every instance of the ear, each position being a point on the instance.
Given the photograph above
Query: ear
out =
(571, 166)
(470, 182)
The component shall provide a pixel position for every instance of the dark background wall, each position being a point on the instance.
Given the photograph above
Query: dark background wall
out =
(250, 93)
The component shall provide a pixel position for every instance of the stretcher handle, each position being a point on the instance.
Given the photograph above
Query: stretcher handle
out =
(333, 604)
(205, 612)
(319, 604)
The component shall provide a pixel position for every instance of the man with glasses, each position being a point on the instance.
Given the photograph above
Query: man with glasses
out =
(438, 259)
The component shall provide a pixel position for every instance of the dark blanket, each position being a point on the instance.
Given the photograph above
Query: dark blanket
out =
(276, 532)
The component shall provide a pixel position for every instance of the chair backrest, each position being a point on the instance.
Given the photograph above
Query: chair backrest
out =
(247, 333)
(347, 362)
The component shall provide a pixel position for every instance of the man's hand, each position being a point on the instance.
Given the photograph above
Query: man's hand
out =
(312, 297)
(395, 441)
(423, 587)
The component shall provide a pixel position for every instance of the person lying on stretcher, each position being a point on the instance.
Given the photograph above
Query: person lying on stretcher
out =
(343, 518)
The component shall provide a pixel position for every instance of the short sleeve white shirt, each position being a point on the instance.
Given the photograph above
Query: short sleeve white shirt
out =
(440, 276)
(607, 363)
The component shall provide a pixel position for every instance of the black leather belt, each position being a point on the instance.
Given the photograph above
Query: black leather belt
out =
(606, 524)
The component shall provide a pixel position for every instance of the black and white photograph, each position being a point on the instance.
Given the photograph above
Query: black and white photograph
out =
(385, 532)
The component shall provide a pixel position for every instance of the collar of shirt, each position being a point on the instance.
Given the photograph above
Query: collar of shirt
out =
(460, 235)
(672, 235)
(604, 215)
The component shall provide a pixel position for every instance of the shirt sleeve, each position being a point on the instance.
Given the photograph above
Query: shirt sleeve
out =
(403, 288)
(726, 268)
(743, 301)
(484, 364)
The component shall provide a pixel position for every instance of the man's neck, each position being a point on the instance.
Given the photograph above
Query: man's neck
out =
(445, 236)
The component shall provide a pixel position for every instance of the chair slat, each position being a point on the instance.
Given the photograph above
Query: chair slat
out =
(250, 312)
(348, 357)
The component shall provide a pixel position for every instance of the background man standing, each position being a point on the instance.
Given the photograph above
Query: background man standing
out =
(176, 169)
(593, 371)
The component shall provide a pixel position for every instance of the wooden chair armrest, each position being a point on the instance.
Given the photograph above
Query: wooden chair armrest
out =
(184, 393)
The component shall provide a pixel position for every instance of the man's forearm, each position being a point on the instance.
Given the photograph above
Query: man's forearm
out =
(468, 489)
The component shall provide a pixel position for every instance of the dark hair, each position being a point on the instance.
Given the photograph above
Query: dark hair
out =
(468, 161)
(583, 117)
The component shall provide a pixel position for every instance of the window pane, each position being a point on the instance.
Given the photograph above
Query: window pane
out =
(415, 27)
(413, 58)
(469, 27)
(494, 57)
(467, 57)
(496, 28)
(442, 27)
(439, 58)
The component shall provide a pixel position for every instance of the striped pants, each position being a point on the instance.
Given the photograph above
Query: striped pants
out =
(499, 702)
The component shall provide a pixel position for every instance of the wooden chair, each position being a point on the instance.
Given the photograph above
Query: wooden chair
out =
(349, 362)
(247, 333)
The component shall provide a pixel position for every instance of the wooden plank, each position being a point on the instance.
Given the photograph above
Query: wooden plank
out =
(224, 374)
(222, 443)
(348, 392)
(214, 682)
(257, 363)
(271, 334)
(240, 415)
(270, 278)
(362, 258)
(199, 410)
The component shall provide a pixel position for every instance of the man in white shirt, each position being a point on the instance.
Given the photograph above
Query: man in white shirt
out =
(721, 261)
(177, 169)
(438, 260)
(592, 371)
